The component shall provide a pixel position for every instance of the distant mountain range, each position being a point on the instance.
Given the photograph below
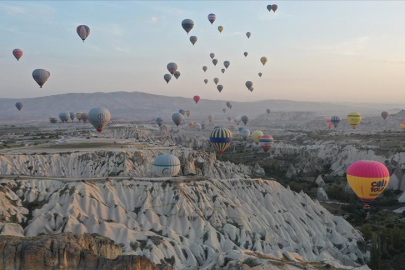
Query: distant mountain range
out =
(143, 106)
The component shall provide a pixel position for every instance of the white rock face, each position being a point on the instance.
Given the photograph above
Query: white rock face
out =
(190, 222)
(321, 195)
(401, 198)
(319, 181)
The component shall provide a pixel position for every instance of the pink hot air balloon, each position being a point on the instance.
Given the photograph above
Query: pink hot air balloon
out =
(274, 7)
(17, 53)
(83, 31)
(196, 99)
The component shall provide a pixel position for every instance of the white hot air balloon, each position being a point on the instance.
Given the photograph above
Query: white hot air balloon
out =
(166, 166)
(99, 118)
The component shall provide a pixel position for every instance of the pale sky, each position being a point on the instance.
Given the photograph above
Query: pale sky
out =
(317, 51)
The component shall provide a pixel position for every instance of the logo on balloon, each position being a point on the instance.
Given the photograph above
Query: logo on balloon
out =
(101, 117)
(378, 186)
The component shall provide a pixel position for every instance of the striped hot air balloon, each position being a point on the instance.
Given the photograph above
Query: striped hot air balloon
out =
(83, 31)
(354, 118)
(212, 17)
(72, 115)
(221, 138)
(266, 142)
(17, 54)
(368, 179)
(335, 120)
(166, 166)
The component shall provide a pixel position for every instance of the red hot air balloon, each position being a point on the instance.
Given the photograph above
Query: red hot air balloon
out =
(196, 99)
(17, 54)
(274, 7)
(83, 31)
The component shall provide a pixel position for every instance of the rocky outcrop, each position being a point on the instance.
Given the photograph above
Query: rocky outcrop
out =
(186, 222)
(321, 195)
(68, 251)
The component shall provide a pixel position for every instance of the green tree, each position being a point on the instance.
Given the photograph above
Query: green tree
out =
(367, 231)
(375, 260)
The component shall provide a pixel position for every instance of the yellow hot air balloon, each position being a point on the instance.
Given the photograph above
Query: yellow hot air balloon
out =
(368, 179)
(402, 125)
(220, 28)
(191, 124)
(263, 60)
(354, 118)
(256, 135)
(188, 113)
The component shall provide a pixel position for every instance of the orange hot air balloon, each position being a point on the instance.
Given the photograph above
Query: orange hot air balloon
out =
(368, 179)
(402, 125)
(196, 99)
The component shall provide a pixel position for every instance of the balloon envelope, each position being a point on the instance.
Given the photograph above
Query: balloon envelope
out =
(220, 87)
(354, 118)
(193, 39)
(223, 70)
(263, 60)
(244, 132)
(237, 119)
(220, 28)
(268, 111)
(167, 77)
(226, 64)
(17, 54)
(249, 84)
(19, 105)
(172, 67)
(248, 34)
(177, 118)
(215, 62)
(187, 25)
(229, 118)
(85, 117)
(211, 18)
(256, 135)
(260, 74)
(229, 104)
(205, 68)
(221, 138)
(79, 116)
(159, 121)
(99, 118)
(274, 7)
(368, 179)
(384, 115)
(188, 113)
(216, 80)
(182, 111)
(196, 99)
(83, 31)
(266, 142)
(40, 76)
(211, 117)
(72, 115)
(64, 116)
(245, 54)
(206, 81)
(402, 125)
(335, 120)
(212, 55)
(245, 119)
(166, 166)
(177, 74)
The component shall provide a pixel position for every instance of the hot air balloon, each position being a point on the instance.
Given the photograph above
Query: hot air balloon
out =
(251, 89)
(40, 76)
(268, 111)
(384, 115)
(229, 104)
(72, 116)
(53, 120)
(205, 68)
(182, 111)
(187, 25)
(221, 138)
(99, 118)
(191, 124)
(220, 87)
(263, 60)
(159, 121)
(245, 133)
(224, 110)
(85, 117)
(211, 117)
(274, 7)
(19, 105)
(206, 81)
(237, 120)
(226, 64)
(216, 80)
(248, 34)
(256, 135)
(266, 142)
(245, 54)
(64, 116)
(335, 120)
(79, 116)
(167, 77)
(229, 118)
(215, 62)
(193, 39)
(188, 113)
(196, 99)
(249, 84)
(269, 7)
(402, 125)
(83, 31)
(354, 118)
(245, 119)
(166, 166)
(220, 28)
(260, 74)
(17, 54)
(177, 74)
(241, 128)
(172, 67)
(198, 126)
(368, 179)
(223, 70)
(329, 123)
(211, 18)
(177, 118)
(212, 55)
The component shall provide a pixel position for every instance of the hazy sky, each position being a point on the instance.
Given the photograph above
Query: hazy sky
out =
(318, 51)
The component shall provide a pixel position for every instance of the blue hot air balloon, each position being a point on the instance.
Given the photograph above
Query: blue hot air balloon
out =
(19, 105)
(177, 118)
(221, 138)
(159, 121)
